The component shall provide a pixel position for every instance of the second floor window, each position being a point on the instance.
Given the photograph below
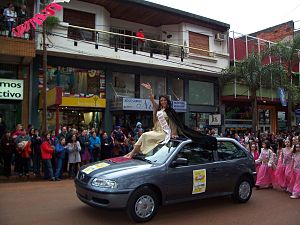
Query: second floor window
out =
(199, 41)
(81, 19)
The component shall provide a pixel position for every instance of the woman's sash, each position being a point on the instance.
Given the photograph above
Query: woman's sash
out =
(164, 125)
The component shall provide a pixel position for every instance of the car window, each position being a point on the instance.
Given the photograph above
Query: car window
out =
(195, 154)
(228, 151)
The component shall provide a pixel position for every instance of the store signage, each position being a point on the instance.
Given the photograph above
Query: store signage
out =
(214, 119)
(137, 104)
(179, 106)
(11, 89)
(39, 18)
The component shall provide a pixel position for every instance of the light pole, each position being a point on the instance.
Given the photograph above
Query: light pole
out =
(44, 114)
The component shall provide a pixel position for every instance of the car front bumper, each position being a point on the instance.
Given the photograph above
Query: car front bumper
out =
(92, 197)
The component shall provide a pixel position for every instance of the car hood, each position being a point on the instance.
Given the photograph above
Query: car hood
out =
(115, 167)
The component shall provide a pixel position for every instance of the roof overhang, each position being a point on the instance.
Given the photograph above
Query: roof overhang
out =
(148, 13)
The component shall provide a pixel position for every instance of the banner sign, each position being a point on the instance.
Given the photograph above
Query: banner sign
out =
(39, 18)
(282, 96)
(11, 89)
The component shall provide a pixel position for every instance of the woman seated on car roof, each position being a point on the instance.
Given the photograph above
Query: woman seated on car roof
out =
(166, 125)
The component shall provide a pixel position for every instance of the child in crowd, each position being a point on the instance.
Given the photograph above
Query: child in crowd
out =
(265, 172)
(283, 172)
(294, 186)
(60, 149)
(47, 152)
(74, 149)
(254, 152)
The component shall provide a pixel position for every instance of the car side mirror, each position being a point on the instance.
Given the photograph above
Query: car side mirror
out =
(180, 162)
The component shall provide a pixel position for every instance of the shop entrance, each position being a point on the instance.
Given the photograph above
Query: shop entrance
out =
(10, 117)
(267, 119)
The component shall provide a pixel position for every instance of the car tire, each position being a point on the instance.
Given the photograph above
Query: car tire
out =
(142, 205)
(243, 190)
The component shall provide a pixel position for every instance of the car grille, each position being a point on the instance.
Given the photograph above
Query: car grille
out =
(83, 177)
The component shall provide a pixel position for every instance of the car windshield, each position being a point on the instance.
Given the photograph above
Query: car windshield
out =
(162, 152)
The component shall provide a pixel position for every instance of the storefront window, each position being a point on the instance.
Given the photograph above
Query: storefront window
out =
(74, 118)
(158, 86)
(264, 120)
(198, 121)
(201, 93)
(74, 81)
(281, 121)
(124, 84)
(177, 89)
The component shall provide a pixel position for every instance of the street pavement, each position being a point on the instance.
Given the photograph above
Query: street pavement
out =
(55, 203)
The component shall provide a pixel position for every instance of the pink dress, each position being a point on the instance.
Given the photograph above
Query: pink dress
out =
(294, 186)
(284, 168)
(265, 172)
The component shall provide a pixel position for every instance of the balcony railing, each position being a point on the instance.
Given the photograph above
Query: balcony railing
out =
(5, 29)
(128, 41)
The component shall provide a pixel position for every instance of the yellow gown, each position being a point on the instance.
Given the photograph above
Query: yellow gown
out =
(149, 140)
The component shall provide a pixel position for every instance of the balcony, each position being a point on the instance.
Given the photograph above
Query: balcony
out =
(14, 47)
(112, 44)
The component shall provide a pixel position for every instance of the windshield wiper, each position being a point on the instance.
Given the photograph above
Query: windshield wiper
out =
(142, 158)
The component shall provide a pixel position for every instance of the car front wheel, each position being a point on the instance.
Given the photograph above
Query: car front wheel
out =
(243, 190)
(142, 205)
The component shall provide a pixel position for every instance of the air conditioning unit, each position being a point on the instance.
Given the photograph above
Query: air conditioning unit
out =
(219, 37)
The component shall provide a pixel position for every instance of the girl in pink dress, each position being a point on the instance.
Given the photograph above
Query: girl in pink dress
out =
(294, 186)
(284, 168)
(265, 172)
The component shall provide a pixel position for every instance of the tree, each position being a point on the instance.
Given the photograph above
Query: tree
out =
(254, 73)
(287, 52)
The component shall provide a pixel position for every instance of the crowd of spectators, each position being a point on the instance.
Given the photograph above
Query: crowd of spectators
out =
(27, 153)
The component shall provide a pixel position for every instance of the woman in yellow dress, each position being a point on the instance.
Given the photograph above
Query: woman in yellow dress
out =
(164, 128)
(167, 125)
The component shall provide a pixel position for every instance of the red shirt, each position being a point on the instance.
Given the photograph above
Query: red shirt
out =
(140, 35)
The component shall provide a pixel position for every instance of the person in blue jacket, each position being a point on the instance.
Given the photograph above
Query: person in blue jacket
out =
(60, 149)
(95, 147)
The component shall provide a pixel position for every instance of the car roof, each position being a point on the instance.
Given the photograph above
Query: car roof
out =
(219, 139)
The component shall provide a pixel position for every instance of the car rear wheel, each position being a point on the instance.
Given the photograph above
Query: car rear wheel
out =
(142, 205)
(243, 190)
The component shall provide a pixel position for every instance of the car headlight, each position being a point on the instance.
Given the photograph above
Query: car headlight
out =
(103, 183)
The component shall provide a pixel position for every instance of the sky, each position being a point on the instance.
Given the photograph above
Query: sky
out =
(244, 17)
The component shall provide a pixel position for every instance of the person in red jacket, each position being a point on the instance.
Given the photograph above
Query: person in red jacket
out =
(140, 41)
(47, 151)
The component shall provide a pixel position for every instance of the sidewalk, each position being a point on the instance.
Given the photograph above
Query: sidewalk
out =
(14, 178)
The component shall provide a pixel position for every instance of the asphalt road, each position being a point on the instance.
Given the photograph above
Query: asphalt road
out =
(55, 203)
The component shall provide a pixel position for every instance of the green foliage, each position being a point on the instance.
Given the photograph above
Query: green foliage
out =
(51, 22)
(254, 73)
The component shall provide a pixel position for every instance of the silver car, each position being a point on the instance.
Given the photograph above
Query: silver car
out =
(178, 171)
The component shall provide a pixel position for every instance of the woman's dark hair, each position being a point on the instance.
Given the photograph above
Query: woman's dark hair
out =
(168, 101)
(296, 145)
(267, 143)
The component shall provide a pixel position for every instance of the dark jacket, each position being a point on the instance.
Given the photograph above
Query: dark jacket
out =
(36, 144)
(7, 145)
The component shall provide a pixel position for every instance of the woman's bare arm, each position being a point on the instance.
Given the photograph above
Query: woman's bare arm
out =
(148, 86)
